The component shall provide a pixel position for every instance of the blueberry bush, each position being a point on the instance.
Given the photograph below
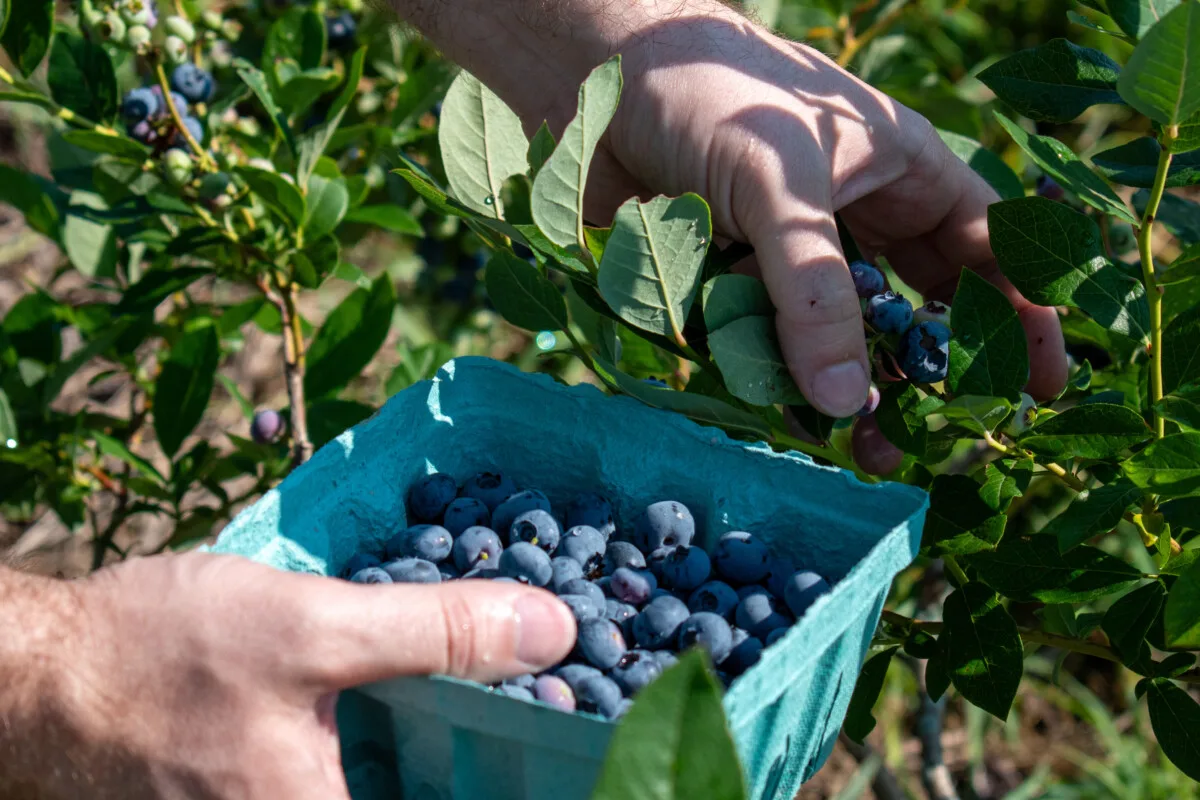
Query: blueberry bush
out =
(213, 168)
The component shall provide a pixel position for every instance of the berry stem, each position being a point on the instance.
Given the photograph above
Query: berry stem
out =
(293, 353)
(1154, 293)
(206, 162)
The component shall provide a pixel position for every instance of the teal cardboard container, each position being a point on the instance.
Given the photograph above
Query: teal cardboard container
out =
(443, 739)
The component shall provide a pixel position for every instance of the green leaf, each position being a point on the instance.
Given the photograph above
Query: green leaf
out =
(90, 246)
(1088, 430)
(980, 415)
(257, 82)
(118, 146)
(312, 145)
(747, 353)
(1135, 164)
(280, 195)
(651, 268)
(674, 743)
(156, 286)
(298, 35)
(1181, 619)
(349, 339)
(8, 421)
(540, 148)
(184, 386)
(35, 200)
(119, 450)
(1128, 620)
(1162, 78)
(937, 672)
(1054, 82)
(1187, 137)
(1175, 718)
(1059, 162)
(988, 354)
(1094, 512)
(81, 76)
(482, 144)
(1180, 356)
(389, 217)
(986, 164)
(959, 520)
(859, 720)
(557, 199)
(901, 418)
(524, 296)
(1169, 466)
(1004, 481)
(328, 419)
(1185, 266)
(982, 648)
(326, 205)
(27, 33)
(727, 298)
(1184, 411)
(1079, 19)
(1055, 256)
(305, 88)
(1032, 568)
(1135, 17)
(700, 408)
(1178, 215)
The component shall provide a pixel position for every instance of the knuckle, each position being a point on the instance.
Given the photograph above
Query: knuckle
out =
(462, 632)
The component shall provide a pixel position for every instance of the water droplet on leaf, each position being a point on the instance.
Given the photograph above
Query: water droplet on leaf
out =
(546, 340)
(490, 200)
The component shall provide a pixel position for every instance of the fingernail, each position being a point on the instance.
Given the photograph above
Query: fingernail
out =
(841, 390)
(545, 629)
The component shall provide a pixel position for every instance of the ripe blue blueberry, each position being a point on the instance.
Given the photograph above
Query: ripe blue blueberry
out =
(194, 127)
(632, 586)
(658, 623)
(143, 132)
(741, 558)
(1049, 188)
(600, 643)
(925, 352)
(554, 692)
(371, 575)
(489, 487)
(636, 671)
(666, 659)
(775, 635)
(508, 511)
(448, 571)
(428, 497)
(430, 542)
(594, 511)
(743, 654)
(586, 588)
(358, 562)
(465, 512)
(600, 695)
(192, 82)
(658, 382)
(526, 563)
(340, 30)
(778, 572)
(889, 313)
(664, 524)
(536, 527)
(412, 570)
(714, 596)
(622, 554)
(622, 614)
(564, 569)
(802, 590)
(759, 614)
(267, 426)
(868, 280)
(140, 104)
(686, 568)
(709, 631)
(525, 681)
(515, 692)
(582, 606)
(477, 548)
(575, 674)
(656, 558)
(586, 545)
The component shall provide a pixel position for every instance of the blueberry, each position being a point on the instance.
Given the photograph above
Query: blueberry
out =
(873, 399)
(775, 635)
(1049, 188)
(448, 571)
(536, 527)
(564, 569)
(506, 513)
(632, 586)
(714, 596)
(666, 523)
(709, 631)
(925, 353)
(525, 681)
(428, 497)
(554, 692)
(889, 313)
(575, 674)
(192, 82)
(656, 558)
(488, 487)
(803, 588)
(636, 671)
(194, 128)
(933, 311)
(360, 561)
(475, 548)
(143, 132)
(412, 570)
(465, 512)
(371, 575)
(586, 545)
(429, 542)
(740, 558)
(666, 659)
(658, 623)
(586, 588)
(601, 643)
(515, 692)
(340, 30)
(657, 382)
(526, 563)
(778, 572)
(600, 695)
(593, 511)
(140, 104)
(759, 614)
(745, 591)
(582, 606)
(622, 554)
(744, 652)
(623, 708)
(622, 614)
(686, 568)
(868, 280)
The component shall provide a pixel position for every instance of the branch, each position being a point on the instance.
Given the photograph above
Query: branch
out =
(293, 353)
(1154, 293)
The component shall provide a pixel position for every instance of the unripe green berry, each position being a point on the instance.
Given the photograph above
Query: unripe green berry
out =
(176, 50)
(138, 37)
(222, 202)
(231, 29)
(180, 27)
(212, 20)
(112, 28)
(261, 163)
(214, 185)
(353, 6)
(89, 14)
(137, 12)
(177, 165)
(248, 126)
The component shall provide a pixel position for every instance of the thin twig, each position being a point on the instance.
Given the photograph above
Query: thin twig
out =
(1154, 293)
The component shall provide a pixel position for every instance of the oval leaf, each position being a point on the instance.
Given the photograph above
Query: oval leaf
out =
(524, 296)
(1090, 430)
(27, 33)
(81, 76)
(982, 647)
(986, 164)
(859, 721)
(280, 195)
(1135, 17)
(1031, 568)
(184, 386)
(1054, 82)
(1182, 618)
(988, 354)
(326, 205)
(747, 353)
(1175, 717)
(1092, 514)
(390, 218)
(1135, 164)
(1128, 620)
(1170, 466)
(1162, 78)
(730, 297)
(349, 339)
(959, 520)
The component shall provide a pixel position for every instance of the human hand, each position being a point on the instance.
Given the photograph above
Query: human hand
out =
(202, 676)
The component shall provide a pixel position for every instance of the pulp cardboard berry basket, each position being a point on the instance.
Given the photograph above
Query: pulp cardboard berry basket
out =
(443, 739)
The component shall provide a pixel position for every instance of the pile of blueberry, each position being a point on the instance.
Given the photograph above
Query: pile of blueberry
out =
(924, 345)
(640, 595)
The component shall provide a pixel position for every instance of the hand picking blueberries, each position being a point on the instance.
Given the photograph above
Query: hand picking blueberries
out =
(640, 594)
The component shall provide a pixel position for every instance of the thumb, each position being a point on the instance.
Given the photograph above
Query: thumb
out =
(475, 629)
